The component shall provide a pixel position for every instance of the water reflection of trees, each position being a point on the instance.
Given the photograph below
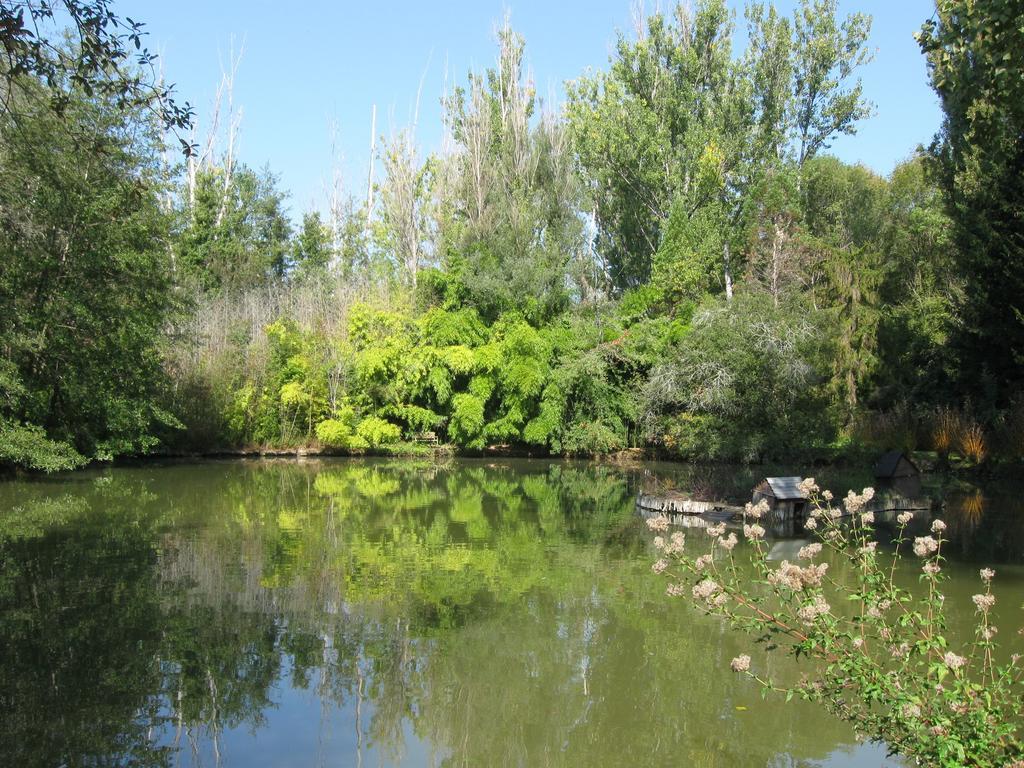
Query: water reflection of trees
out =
(985, 526)
(80, 679)
(498, 611)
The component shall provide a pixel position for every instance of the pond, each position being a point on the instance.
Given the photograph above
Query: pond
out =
(400, 612)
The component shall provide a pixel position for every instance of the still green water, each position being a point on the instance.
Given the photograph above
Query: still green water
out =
(373, 613)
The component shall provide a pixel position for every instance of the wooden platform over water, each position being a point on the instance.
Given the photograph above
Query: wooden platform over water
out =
(685, 512)
(673, 503)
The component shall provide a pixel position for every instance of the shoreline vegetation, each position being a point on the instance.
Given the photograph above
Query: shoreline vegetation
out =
(957, 469)
(668, 261)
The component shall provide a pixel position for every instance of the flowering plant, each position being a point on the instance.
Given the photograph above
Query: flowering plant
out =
(884, 662)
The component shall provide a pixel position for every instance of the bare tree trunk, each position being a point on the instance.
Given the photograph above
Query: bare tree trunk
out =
(402, 202)
(213, 718)
(776, 266)
(234, 123)
(206, 158)
(727, 270)
(359, 715)
(369, 175)
(478, 135)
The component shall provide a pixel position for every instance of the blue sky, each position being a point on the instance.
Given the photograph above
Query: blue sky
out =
(321, 63)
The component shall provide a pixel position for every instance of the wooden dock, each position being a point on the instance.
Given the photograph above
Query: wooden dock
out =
(673, 503)
(685, 512)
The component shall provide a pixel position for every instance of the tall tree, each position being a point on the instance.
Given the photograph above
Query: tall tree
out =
(235, 237)
(675, 106)
(84, 284)
(975, 51)
(642, 128)
(845, 210)
(513, 225)
(405, 201)
(312, 248)
(827, 53)
(920, 289)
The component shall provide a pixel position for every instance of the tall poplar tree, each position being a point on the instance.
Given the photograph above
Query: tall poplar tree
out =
(975, 51)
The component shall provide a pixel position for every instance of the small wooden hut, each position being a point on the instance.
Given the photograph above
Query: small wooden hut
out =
(897, 472)
(786, 502)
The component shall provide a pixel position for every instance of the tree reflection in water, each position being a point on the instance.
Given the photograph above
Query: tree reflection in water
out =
(365, 612)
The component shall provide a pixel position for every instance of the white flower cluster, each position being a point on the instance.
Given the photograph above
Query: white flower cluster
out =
(911, 711)
(794, 577)
(868, 549)
(808, 487)
(675, 544)
(987, 574)
(753, 531)
(875, 611)
(810, 551)
(925, 545)
(813, 610)
(658, 523)
(703, 590)
(953, 661)
(740, 663)
(728, 542)
(854, 502)
(904, 517)
(984, 603)
(756, 511)
(901, 651)
(710, 592)
(714, 531)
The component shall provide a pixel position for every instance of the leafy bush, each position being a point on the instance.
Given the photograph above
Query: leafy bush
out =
(755, 375)
(334, 433)
(467, 421)
(339, 430)
(590, 438)
(375, 432)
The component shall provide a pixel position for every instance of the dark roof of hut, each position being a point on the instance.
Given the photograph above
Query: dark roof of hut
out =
(786, 487)
(888, 463)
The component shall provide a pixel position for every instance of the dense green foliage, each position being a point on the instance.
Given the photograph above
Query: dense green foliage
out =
(976, 62)
(672, 262)
(85, 285)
